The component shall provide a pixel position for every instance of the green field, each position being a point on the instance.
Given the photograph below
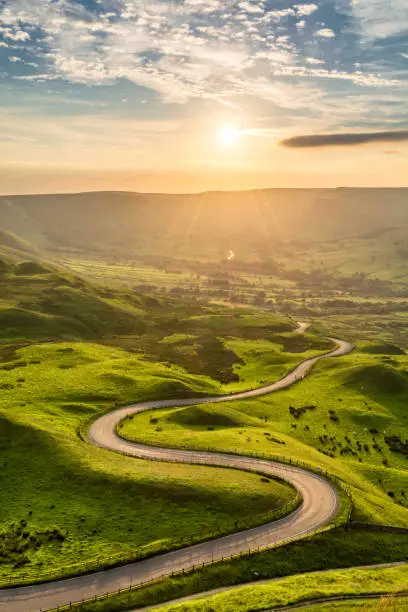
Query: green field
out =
(383, 604)
(74, 346)
(127, 347)
(334, 549)
(57, 510)
(348, 417)
(290, 590)
(300, 588)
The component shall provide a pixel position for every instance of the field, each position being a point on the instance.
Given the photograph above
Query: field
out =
(50, 390)
(348, 417)
(53, 517)
(84, 336)
(268, 594)
(383, 604)
(334, 549)
(296, 589)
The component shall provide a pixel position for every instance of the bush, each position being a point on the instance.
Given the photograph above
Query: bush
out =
(30, 267)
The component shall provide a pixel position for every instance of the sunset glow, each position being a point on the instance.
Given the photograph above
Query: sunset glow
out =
(229, 136)
(121, 94)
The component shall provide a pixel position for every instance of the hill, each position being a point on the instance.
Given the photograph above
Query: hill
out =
(40, 303)
(13, 248)
(253, 223)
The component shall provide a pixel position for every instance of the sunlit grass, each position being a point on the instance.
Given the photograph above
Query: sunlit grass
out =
(102, 504)
(296, 589)
(340, 422)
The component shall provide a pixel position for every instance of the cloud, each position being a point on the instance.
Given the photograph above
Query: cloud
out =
(378, 20)
(336, 140)
(325, 33)
(208, 49)
(299, 59)
(305, 9)
(37, 77)
(14, 34)
(314, 60)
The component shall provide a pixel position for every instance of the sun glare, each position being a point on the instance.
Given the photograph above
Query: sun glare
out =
(229, 135)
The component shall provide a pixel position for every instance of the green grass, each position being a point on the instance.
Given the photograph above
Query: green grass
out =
(295, 589)
(54, 482)
(49, 391)
(50, 305)
(175, 348)
(334, 549)
(388, 328)
(231, 346)
(263, 360)
(355, 398)
(383, 604)
(38, 304)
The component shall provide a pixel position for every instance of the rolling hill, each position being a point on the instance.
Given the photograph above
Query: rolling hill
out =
(254, 223)
(13, 248)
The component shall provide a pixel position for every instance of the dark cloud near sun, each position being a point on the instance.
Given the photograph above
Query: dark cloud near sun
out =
(341, 140)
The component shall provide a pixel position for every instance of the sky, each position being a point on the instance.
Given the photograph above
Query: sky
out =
(194, 95)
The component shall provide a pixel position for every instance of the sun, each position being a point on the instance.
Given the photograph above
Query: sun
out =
(229, 135)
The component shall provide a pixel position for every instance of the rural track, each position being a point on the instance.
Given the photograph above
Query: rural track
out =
(319, 506)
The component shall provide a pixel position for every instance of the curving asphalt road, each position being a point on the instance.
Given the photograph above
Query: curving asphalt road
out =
(320, 504)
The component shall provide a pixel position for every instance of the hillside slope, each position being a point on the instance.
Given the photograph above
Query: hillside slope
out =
(13, 248)
(202, 225)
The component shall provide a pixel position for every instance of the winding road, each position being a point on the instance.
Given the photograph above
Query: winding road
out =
(320, 504)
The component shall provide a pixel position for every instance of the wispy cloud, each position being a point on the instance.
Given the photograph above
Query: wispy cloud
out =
(337, 69)
(181, 50)
(341, 140)
(377, 19)
(325, 33)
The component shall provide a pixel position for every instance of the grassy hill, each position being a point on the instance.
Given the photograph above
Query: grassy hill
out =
(14, 249)
(14, 245)
(39, 303)
(67, 503)
(69, 350)
(251, 223)
(349, 417)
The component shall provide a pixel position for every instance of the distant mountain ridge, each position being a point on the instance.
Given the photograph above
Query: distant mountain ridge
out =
(202, 225)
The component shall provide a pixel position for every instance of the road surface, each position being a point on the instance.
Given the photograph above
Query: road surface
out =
(319, 506)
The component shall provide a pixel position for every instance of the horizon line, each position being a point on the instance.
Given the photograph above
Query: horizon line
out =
(199, 193)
